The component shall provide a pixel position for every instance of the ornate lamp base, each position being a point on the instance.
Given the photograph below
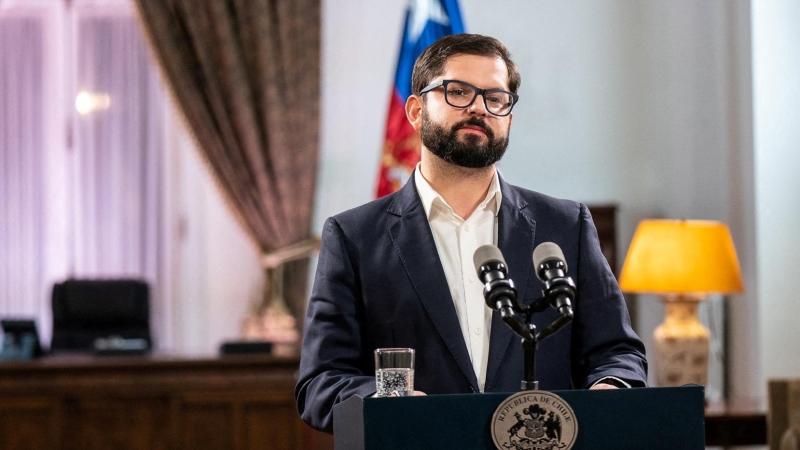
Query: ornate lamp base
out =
(681, 344)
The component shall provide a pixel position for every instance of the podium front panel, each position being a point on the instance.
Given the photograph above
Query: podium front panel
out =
(649, 418)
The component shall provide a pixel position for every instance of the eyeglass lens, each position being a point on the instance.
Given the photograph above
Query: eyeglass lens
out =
(461, 95)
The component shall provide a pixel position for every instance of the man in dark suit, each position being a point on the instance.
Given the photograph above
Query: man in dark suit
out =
(398, 272)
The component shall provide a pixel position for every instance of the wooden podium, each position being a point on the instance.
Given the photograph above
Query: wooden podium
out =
(651, 418)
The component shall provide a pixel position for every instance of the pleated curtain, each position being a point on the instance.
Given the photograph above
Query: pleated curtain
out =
(245, 74)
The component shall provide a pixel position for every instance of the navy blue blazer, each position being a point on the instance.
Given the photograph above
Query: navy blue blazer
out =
(379, 283)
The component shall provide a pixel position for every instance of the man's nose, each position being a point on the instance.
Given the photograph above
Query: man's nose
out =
(478, 106)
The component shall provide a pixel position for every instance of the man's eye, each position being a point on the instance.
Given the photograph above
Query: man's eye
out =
(456, 92)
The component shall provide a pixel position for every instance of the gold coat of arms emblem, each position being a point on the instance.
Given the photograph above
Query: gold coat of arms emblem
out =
(534, 420)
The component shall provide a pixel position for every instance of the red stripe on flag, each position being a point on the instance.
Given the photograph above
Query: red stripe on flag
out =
(401, 149)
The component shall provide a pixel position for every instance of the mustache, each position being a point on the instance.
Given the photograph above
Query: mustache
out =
(474, 121)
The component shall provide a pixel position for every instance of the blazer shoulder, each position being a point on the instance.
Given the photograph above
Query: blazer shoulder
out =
(368, 214)
(543, 205)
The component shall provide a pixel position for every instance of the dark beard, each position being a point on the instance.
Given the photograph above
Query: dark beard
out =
(467, 153)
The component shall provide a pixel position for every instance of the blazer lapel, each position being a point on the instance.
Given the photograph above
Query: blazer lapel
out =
(414, 244)
(515, 239)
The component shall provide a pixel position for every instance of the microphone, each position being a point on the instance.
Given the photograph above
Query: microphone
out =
(499, 291)
(551, 268)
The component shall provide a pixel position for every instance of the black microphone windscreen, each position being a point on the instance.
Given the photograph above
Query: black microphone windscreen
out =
(485, 254)
(545, 252)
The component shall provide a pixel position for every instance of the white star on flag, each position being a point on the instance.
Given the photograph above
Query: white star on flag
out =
(423, 11)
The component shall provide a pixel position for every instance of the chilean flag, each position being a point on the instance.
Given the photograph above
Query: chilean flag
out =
(426, 21)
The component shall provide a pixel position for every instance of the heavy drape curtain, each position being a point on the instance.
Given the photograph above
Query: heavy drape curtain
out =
(245, 74)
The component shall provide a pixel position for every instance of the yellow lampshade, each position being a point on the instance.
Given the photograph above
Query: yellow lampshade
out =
(681, 257)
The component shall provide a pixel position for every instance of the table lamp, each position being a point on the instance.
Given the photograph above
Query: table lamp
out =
(271, 320)
(682, 260)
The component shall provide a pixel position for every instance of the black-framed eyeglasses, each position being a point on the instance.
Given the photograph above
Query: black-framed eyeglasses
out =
(461, 94)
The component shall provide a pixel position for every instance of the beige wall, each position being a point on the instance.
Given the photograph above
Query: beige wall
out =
(647, 104)
(776, 100)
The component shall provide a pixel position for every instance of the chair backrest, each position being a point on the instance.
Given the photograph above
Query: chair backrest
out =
(85, 310)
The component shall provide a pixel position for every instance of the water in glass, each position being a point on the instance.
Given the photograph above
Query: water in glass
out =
(394, 382)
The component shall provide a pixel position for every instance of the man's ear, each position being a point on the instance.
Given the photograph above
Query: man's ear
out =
(414, 111)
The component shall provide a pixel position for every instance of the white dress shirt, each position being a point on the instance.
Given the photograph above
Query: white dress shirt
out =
(456, 241)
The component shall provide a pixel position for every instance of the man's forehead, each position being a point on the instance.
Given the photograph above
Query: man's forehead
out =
(463, 65)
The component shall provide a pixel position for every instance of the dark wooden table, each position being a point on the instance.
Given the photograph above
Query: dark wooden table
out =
(156, 402)
(736, 423)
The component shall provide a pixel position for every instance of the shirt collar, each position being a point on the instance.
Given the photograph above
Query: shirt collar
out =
(431, 199)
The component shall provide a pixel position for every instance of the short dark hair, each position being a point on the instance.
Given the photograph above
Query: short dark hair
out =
(431, 62)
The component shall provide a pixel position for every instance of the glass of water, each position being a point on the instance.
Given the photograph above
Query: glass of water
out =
(394, 372)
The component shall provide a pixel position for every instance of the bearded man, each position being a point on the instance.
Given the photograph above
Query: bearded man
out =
(399, 272)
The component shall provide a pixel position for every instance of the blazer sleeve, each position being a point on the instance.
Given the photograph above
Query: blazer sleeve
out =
(332, 363)
(604, 343)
